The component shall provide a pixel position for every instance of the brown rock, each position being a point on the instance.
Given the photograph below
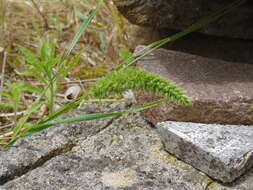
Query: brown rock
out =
(179, 14)
(221, 91)
(227, 49)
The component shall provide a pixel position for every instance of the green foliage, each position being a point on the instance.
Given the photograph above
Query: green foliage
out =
(126, 55)
(14, 93)
(6, 106)
(23, 123)
(137, 79)
(49, 69)
(88, 72)
(43, 68)
(83, 27)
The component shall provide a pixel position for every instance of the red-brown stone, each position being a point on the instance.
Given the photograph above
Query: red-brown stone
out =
(222, 92)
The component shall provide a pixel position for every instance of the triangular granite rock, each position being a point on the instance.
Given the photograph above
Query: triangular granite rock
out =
(223, 152)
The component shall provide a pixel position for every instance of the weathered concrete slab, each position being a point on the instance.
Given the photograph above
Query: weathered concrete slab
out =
(221, 91)
(224, 152)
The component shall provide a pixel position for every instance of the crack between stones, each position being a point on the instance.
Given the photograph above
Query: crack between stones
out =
(108, 124)
(208, 185)
(25, 169)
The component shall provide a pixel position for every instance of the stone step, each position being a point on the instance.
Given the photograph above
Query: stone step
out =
(221, 91)
(223, 152)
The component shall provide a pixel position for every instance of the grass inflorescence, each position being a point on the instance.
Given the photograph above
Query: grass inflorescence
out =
(137, 79)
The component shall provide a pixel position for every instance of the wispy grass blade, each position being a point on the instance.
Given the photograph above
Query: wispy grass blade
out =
(75, 104)
(62, 110)
(83, 27)
(23, 119)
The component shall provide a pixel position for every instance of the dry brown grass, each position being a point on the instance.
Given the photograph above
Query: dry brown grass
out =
(24, 25)
(28, 22)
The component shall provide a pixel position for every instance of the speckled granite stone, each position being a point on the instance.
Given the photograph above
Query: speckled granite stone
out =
(223, 152)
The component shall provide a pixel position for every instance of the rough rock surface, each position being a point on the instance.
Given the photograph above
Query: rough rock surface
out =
(223, 152)
(179, 14)
(227, 49)
(221, 91)
(122, 153)
(31, 152)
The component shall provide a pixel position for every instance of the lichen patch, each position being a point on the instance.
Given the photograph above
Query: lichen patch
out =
(124, 178)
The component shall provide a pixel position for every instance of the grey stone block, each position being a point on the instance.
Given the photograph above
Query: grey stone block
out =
(127, 155)
(120, 154)
(223, 152)
(31, 152)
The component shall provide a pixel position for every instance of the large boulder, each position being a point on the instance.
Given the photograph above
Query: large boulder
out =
(179, 14)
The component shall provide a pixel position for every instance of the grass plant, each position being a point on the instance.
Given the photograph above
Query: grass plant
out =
(49, 68)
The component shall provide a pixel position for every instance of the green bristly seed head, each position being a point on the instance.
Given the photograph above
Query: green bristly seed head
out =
(137, 79)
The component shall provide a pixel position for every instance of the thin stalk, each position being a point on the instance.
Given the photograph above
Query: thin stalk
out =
(51, 98)
(41, 14)
(3, 72)
(73, 43)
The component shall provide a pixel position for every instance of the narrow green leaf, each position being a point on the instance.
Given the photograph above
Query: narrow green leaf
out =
(6, 106)
(66, 67)
(62, 110)
(30, 57)
(6, 93)
(87, 117)
(25, 87)
(83, 26)
(25, 117)
(126, 55)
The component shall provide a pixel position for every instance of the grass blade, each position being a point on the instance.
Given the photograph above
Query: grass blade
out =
(62, 110)
(26, 116)
(87, 117)
(83, 27)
